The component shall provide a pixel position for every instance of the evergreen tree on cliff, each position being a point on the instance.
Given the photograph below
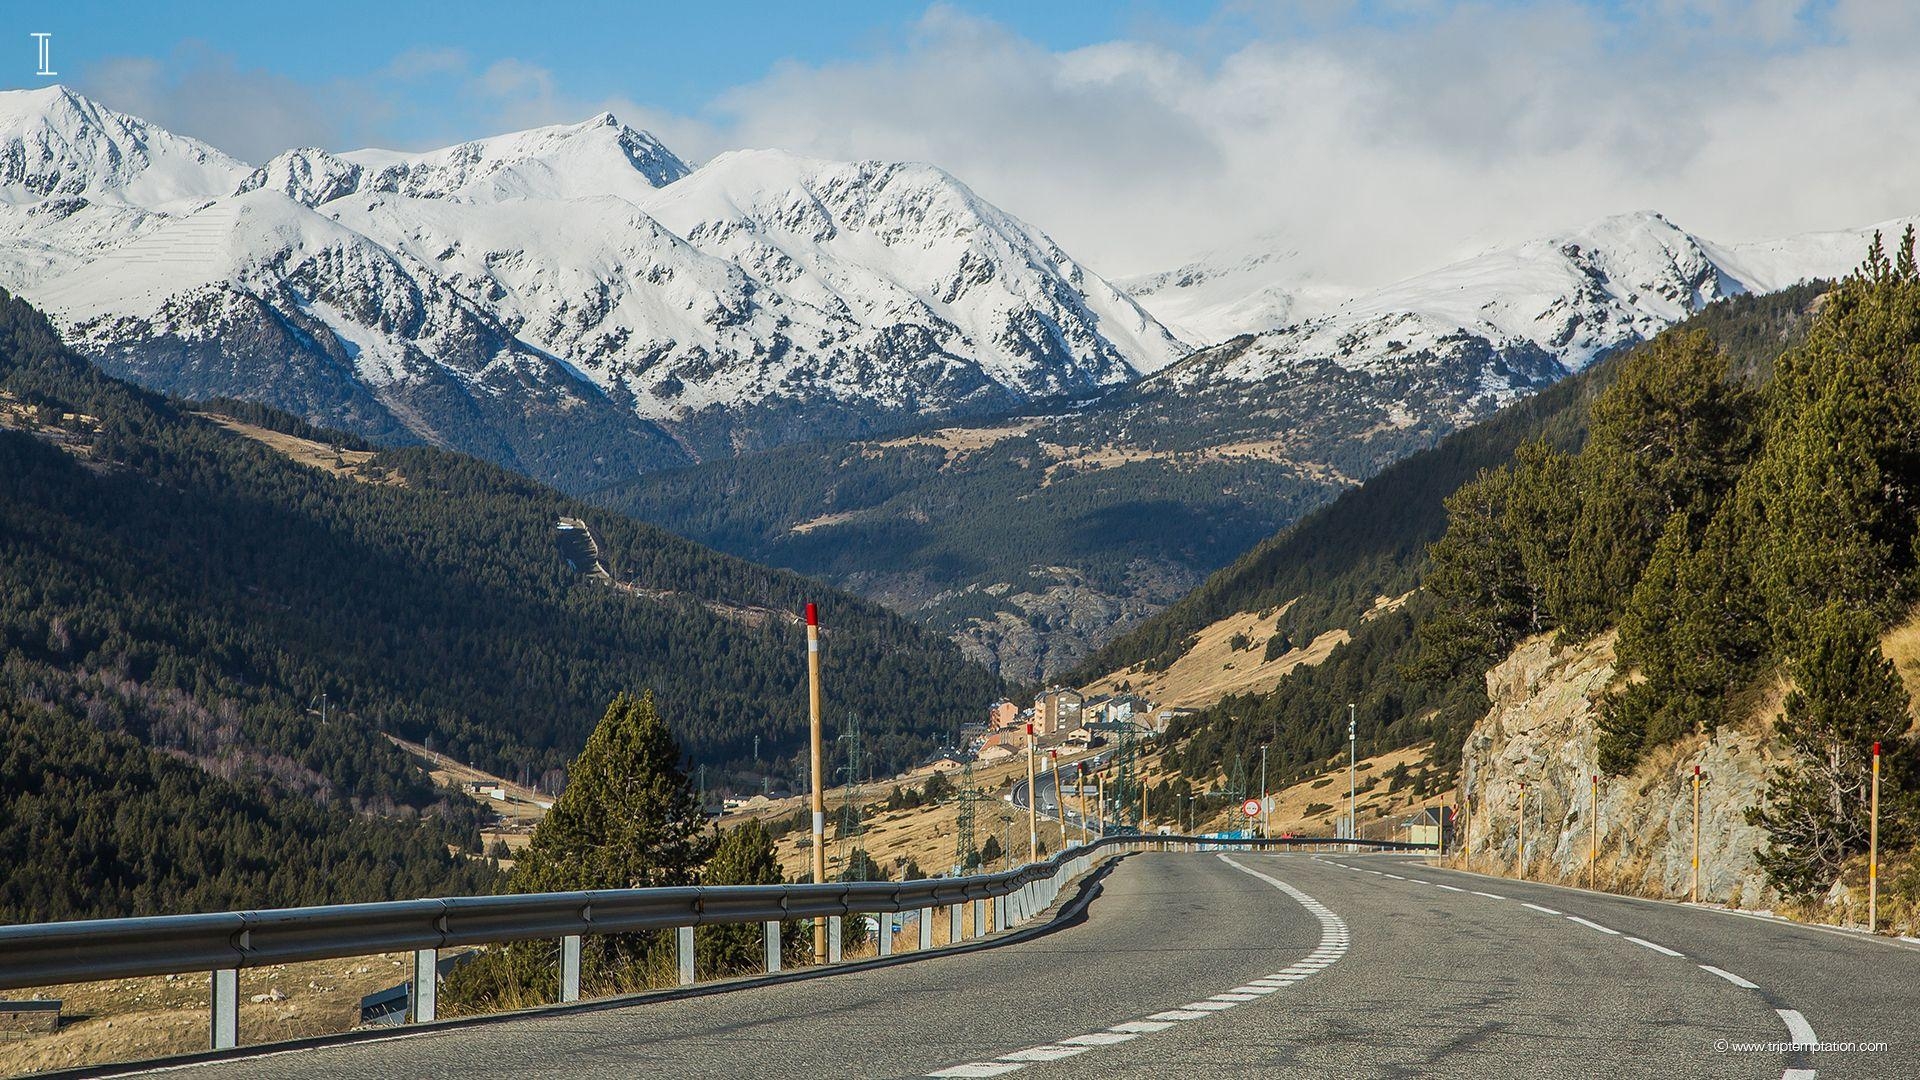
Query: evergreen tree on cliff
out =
(1846, 697)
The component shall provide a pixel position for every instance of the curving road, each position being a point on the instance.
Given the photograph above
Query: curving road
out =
(1202, 965)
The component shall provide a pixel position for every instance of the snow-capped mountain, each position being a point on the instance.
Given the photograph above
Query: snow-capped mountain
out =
(566, 161)
(1261, 285)
(758, 300)
(1392, 369)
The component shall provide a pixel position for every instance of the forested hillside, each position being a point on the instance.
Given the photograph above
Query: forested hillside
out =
(172, 592)
(1374, 541)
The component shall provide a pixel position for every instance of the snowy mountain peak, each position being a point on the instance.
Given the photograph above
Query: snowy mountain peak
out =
(598, 156)
(58, 143)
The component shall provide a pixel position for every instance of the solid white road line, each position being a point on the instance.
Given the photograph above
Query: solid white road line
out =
(1334, 939)
(1729, 976)
(1651, 945)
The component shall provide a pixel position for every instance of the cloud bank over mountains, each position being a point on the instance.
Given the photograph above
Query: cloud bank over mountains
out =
(1376, 138)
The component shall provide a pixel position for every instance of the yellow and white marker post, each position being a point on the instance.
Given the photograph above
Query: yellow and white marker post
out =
(819, 769)
(1520, 837)
(1080, 789)
(1593, 848)
(1695, 891)
(1873, 849)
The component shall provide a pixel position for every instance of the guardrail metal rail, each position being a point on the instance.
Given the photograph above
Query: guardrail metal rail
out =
(45, 954)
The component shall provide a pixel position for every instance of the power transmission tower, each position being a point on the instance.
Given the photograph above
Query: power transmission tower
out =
(964, 851)
(1237, 779)
(1126, 778)
(850, 805)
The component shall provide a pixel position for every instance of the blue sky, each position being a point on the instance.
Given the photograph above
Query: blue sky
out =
(673, 56)
(1370, 137)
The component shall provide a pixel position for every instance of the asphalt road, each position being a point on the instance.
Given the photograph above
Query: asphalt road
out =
(1195, 965)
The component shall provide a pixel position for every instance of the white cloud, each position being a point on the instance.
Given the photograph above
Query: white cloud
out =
(1377, 138)
(1386, 145)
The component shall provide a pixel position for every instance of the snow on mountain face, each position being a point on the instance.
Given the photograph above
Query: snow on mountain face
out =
(601, 156)
(1225, 294)
(1501, 324)
(760, 300)
(913, 253)
(55, 143)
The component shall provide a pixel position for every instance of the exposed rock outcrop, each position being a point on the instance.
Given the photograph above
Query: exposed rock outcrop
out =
(1540, 733)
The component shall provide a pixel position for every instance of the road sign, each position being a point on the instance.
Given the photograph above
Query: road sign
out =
(1251, 808)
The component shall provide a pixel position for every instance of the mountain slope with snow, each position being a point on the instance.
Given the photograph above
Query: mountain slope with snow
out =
(756, 301)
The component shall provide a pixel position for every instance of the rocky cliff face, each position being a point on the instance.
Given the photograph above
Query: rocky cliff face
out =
(1540, 734)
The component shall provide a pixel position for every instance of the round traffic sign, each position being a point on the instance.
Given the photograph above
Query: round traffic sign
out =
(1251, 807)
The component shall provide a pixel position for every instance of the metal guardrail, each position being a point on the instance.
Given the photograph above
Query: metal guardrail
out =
(46, 954)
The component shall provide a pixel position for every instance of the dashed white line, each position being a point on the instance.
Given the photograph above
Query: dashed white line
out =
(1449, 888)
(1044, 1052)
(979, 1068)
(1729, 976)
(1488, 895)
(1650, 945)
(1798, 1027)
(1099, 1038)
(1590, 924)
(1537, 907)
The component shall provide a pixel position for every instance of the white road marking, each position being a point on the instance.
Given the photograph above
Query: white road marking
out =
(1046, 1052)
(1488, 895)
(1334, 940)
(1798, 1027)
(1651, 945)
(1797, 1074)
(1729, 976)
(1593, 925)
(980, 1068)
(1395, 877)
(1449, 888)
(1099, 1038)
(1537, 907)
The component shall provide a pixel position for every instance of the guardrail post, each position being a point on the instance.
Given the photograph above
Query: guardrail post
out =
(979, 918)
(225, 1021)
(426, 985)
(833, 939)
(956, 928)
(683, 941)
(771, 931)
(570, 968)
(884, 931)
(926, 928)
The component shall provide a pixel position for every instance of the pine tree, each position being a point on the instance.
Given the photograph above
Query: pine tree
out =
(1478, 577)
(1668, 437)
(744, 856)
(1847, 696)
(627, 820)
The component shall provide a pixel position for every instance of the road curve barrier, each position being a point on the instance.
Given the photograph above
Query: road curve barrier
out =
(47, 954)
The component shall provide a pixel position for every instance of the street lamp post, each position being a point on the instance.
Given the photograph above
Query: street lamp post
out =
(1266, 809)
(1353, 771)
